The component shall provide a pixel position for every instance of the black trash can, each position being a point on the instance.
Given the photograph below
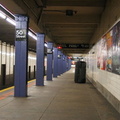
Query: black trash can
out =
(80, 72)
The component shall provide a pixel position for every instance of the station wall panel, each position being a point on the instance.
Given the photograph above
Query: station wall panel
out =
(107, 81)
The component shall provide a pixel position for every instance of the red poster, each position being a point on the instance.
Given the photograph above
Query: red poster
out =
(103, 53)
(109, 51)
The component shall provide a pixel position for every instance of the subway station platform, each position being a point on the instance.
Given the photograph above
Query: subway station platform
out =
(60, 99)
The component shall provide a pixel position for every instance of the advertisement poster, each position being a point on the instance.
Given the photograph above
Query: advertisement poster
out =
(103, 53)
(98, 54)
(109, 51)
(116, 49)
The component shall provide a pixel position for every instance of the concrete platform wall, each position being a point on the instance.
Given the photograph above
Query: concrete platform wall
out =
(106, 82)
(110, 16)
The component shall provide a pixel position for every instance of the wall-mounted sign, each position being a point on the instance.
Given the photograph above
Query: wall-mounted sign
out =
(59, 56)
(63, 59)
(21, 34)
(82, 46)
(49, 51)
(108, 50)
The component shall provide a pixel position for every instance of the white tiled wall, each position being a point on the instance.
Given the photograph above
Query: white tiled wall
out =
(108, 80)
(12, 56)
(7, 56)
(8, 59)
(0, 56)
(32, 60)
(3, 51)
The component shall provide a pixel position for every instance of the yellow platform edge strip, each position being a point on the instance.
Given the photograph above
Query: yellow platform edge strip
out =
(13, 86)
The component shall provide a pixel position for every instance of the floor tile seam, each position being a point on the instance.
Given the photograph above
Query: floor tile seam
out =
(48, 105)
(91, 96)
(6, 103)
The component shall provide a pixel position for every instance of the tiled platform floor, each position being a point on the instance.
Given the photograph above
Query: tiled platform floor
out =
(60, 99)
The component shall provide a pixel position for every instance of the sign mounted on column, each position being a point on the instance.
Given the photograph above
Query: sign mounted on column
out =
(21, 34)
(21, 30)
(59, 56)
(49, 51)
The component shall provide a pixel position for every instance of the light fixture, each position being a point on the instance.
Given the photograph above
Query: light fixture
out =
(59, 47)
(2, 15)
(45, 44)
(70, 12)
(67, 12)
(69, 57)
(32, 35)
(11, 21)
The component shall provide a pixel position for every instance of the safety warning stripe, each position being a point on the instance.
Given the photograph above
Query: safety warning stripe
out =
(5, 95)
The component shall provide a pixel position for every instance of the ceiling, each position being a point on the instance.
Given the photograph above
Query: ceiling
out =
(7, 34)
(70, 22)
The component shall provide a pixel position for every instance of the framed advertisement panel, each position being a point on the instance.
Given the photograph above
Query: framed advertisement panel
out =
(108, 51)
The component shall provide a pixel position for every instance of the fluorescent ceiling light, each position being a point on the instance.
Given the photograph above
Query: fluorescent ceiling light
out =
(11, 21)
(2, 15)
(32, 35)
(45, 44)
(6, 9)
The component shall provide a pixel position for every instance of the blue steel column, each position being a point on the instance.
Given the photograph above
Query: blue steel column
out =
(67, 63)
(66, 58)
(49, 61)
(55, 62)
(40, 60)
(63, 62)
(59, 62)
(21, 56)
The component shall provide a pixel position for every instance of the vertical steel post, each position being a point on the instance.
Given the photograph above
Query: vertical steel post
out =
(59, 62)
(49, 61)
(21, 56)
(40, 60)
(55, 62)
(66, 61)
(63, 62)
(69, 64)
